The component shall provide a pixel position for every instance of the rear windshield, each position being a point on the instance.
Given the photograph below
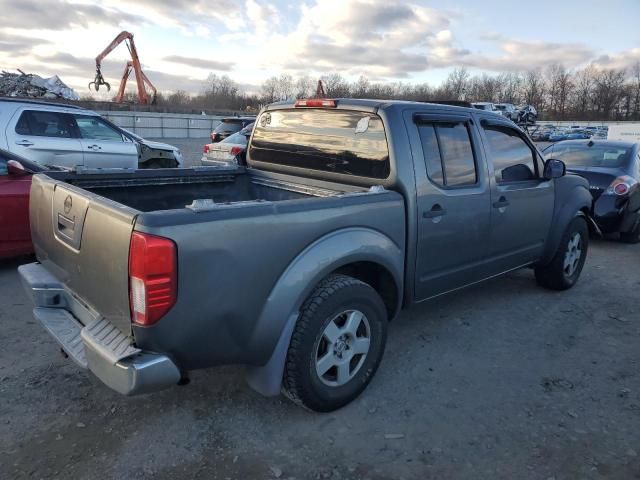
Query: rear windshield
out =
(338, 141)
(238, 138)
(228, 126)
(594, 156)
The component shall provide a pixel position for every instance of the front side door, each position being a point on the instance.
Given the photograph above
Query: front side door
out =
(521, 199)
(15, 235)
(453, 201)
(45, 137)
(104, 146)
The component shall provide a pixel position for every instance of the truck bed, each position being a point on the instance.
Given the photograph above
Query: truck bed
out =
(177, 189)
(229, 225)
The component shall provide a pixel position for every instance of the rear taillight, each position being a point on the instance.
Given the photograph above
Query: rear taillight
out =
(153, 277)
(236, 150)
(205, 149)
(623, 185)
(316, 102)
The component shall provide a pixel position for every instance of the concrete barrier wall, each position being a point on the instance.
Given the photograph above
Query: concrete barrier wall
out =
(164, 125)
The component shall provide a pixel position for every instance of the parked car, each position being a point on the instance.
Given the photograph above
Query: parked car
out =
(561, 135)
(155, 154)
(15, 184)
(228, 126)
(542, 135)
(613, 171)
(230, 150)
(64, 135)
(527, 115)
(347, 211)
(487, 106)
(507, 110)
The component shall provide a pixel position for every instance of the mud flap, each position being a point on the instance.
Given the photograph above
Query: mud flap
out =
(267, 379)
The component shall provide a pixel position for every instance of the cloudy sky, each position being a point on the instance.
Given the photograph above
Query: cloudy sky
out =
(180, 42)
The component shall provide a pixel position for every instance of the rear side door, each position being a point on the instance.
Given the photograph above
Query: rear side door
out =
(45, 137)
(103, 146)
(15, 236)
(453, 200)
(522, 200)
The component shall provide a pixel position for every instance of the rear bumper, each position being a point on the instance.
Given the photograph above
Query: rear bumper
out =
(92, 342)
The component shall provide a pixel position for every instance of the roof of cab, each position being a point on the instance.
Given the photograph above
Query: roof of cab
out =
(375, 104)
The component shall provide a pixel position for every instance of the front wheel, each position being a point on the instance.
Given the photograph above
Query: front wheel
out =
(337, 344)
(564, 270)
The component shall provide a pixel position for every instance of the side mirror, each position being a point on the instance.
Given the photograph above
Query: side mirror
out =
(15, 168)
(554, 169)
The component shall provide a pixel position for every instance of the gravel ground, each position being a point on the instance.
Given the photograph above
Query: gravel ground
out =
(501, 380)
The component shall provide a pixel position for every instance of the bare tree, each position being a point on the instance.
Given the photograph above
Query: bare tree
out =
(335, 85)
(584, 81)
(457, 84)
(533, 89)
(305, 87)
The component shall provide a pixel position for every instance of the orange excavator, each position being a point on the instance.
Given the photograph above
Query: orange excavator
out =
(133, 64)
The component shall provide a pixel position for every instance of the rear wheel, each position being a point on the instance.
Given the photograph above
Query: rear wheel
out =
(337, 344)
(565, 268)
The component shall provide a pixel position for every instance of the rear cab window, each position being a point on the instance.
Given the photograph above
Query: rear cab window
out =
(325, 140)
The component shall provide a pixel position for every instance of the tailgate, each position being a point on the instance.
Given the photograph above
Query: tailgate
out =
(83, 240)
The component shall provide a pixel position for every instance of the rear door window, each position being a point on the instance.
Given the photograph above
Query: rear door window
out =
(448, 152)
(45, 124)
(328, 140)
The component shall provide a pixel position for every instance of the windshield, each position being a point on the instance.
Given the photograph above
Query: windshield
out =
(501, 107)
(594, 156)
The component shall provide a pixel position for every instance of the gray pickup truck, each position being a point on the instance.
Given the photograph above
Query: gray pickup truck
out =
(347, 211)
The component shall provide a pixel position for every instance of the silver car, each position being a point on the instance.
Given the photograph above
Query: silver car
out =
(64, 135)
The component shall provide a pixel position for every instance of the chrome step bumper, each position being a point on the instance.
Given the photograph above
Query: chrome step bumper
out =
(98, 345)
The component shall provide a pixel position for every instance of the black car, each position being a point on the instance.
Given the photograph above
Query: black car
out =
(613, 171)
(229, 126)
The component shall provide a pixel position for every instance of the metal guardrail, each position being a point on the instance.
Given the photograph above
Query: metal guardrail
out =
(164, 125)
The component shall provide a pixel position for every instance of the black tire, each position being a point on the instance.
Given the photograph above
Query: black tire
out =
(632, 236)
(556, 275)
(335, 294)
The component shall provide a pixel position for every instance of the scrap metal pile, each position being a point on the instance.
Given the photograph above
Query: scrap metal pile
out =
(29, 85)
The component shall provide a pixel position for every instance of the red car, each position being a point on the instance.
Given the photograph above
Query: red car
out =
(15, 183)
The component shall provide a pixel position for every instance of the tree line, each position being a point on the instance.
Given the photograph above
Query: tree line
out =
(557, 93)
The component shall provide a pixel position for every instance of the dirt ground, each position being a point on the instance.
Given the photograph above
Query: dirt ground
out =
(501, 380)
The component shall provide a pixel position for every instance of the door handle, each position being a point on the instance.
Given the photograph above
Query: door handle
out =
(501, 203)
(436, 211)
(94, 147)
(24, 143)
